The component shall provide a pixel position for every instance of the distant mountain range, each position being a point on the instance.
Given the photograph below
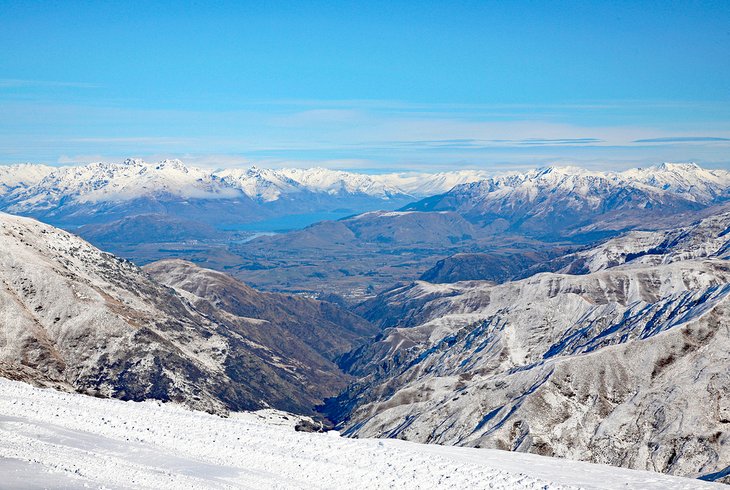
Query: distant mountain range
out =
(549, 203)
(102, 192)
(495, 229)
(568, 202)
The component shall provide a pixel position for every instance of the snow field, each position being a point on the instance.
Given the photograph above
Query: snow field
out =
(58, 440)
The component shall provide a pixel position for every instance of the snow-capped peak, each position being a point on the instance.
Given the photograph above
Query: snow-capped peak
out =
(130, 179)
(21, 175)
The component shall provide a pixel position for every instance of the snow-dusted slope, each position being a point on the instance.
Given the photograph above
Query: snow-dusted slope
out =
(708, 237)
(298, 337)
(558, 200)
(627, 365)
(76, 317)
(56, 440)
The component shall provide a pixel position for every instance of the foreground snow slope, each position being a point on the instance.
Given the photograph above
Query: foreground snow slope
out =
(60, 440)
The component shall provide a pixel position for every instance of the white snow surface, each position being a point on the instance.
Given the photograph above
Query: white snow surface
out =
(51, 439)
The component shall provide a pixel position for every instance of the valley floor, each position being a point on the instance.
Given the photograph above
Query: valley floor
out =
(50, 439)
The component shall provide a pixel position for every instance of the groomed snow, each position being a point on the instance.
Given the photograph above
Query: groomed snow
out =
(50, 439)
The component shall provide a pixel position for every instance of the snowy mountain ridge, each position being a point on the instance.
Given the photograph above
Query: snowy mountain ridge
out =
(21, 175)
(689, 181)
(134, 178)
(708, 237)
(31, 185)
(557, 202)
(620, 357)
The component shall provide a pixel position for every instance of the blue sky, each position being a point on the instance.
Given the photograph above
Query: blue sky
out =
(366, 85)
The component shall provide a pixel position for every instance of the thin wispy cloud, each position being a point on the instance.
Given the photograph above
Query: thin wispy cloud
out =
(683, 139)
(560, 141)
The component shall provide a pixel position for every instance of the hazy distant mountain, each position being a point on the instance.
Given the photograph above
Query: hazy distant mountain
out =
(624, 364)
(566, 201)
(496, 229)
(270, 184)
(76, 317)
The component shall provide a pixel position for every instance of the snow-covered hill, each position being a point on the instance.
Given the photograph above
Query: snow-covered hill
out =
(81, 319)
(556, 201)
(707, 237)
(626, 365)
(57, 440)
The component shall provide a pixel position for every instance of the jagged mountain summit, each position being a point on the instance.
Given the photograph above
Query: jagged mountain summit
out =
(624, 364)
(557, 202)
(81, 319)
